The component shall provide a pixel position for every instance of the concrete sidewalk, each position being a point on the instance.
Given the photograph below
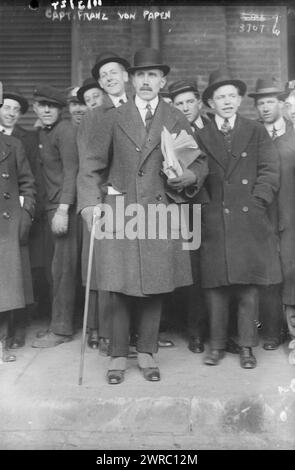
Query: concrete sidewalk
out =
(193, 406)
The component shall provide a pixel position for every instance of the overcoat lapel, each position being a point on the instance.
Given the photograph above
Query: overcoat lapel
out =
(241, 136)
(213, 141)
(131, 123)
(4, 149)
(162, 117)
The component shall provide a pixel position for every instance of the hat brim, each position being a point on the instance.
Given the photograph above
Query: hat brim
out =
(267, 93)
(208, 92)
(24, 105)
(50, 100)
(119, 60)
(81, 91)
(165, 68)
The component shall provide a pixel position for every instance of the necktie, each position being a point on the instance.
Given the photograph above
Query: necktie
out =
(3, 131)
(148, 117)
(226, 127)
(121, 101)
(274, 133)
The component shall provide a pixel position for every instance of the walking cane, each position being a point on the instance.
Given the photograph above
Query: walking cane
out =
(86, 303)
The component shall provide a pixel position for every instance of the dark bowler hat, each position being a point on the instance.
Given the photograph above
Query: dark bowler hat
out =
(266, 86)
(50, 94)
(220, 78)
(105, 58)
(289, 88)
(148, 58)
(87, 85)
(182, 86)
(14, 94)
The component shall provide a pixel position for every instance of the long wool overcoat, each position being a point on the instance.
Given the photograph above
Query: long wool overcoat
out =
(285, 145)
(239, 244)
(134, 160)
(16, 180)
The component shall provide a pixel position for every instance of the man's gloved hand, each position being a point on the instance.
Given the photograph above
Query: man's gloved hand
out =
(188, 178)
(60, 222)
(88, 213)
(24, 227)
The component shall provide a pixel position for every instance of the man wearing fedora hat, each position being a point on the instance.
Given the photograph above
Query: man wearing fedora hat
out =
(59, 166)
(110, 75)
(239, 248)
(139, 271)
(269, 101)
(186, 97)
(90, 93)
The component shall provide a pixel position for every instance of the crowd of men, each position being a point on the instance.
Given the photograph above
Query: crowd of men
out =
(58, 179)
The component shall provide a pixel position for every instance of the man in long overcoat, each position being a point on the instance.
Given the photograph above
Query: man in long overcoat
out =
(239, 247)
(17, 206)
(138, 271)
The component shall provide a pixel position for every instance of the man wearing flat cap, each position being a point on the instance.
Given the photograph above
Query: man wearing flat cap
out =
(269, 101)
(139, 271)
(239, 247)
(59, 164)
(17, 208)
(14, 106)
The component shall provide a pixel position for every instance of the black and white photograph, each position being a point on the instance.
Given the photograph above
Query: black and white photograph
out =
(147, 228)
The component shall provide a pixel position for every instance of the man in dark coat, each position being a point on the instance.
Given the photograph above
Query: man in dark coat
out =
(59, 163)
(239, 247)
(17, 207)
(14, 106)
(269, 106)
(138, 271)
(186, 97)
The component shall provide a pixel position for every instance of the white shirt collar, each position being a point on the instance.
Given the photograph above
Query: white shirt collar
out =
(116, 99)
(219, 121)
(279, 125)
(199, 123)
(141, 104)
(7, 130)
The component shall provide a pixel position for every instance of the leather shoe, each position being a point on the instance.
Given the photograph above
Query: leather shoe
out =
(104, 346)
(196, 344)
(115, 376)
(50, 340)
(232, 347)
(213, 357)
(16, 343)
(165, 343)
(152, 374)
(247, 359)
(271, 345)
(93, 339)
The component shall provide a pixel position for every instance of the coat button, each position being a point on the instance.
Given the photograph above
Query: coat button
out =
(6, 215)
(140, 173)
(159, 197)
(5, 176)
(245, 209)
(226, 211)
(6, 195)
(40, 146)
(244, 154)
(137, 149)
(245, 181)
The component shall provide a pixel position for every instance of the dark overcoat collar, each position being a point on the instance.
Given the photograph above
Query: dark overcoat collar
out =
(5, 146)
(213, 141)
(130, 121)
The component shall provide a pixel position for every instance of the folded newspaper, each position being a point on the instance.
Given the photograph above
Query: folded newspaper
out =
(179, 151)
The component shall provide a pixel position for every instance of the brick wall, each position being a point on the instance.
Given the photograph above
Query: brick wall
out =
(195, 41)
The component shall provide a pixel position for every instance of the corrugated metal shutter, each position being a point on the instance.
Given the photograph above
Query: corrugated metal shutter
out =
(33, 50)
